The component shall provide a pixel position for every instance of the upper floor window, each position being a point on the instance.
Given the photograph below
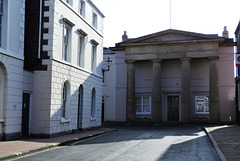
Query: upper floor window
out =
(66, 45)
(94, 51)
(1, 21)
(82, 7)
(69, 2)
(201, 104)
(94, 56)
(67, 31)
(94, 20)
(143, 105)
(81, 48)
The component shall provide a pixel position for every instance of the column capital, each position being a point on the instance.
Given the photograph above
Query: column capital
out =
(156, 60)
(130, 61)
(185, 59)
(213, 57)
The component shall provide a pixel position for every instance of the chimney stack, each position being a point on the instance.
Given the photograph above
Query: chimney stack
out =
(124, 37)
(225, 32)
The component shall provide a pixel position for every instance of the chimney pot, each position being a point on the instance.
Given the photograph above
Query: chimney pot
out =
(124, 36)
(225, 32)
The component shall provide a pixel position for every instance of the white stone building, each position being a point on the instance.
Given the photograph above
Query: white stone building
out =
(171, 76)
(12, 15)
(63, 54)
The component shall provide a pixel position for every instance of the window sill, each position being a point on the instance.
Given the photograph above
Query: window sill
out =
(143, 113)
(202, 113)
(1, 120)
(64, 120)
(93, 119)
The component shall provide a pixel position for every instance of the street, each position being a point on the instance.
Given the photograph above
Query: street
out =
(174, 142)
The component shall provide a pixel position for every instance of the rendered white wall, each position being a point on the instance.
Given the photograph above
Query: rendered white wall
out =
(11, 58)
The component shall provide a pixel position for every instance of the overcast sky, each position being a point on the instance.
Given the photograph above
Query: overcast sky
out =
(142, 17)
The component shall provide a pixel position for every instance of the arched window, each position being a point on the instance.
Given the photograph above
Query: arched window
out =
(65, 99)
(80, 106)
(1, 93)
(93, 103)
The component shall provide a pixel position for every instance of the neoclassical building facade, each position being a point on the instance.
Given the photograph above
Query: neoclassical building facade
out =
(172, 76)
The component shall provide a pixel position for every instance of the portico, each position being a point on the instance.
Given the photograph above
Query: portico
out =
(181, 50)
(173, 76)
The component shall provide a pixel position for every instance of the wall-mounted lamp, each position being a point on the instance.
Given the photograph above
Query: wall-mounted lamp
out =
(109, 63)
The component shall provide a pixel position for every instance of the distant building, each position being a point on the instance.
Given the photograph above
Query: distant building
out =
(171, 76)
(12, 15)
(237, 35)
(63, 54)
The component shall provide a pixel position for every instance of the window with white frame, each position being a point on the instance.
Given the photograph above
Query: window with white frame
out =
(1, 21)
(1, 93)
(143, 105)
(81, 50)
(82, 7)
(65, 99)
(66, 45)
(201, 104)
(94, 20)
(94, 55)
(93, 104)
(67, 31)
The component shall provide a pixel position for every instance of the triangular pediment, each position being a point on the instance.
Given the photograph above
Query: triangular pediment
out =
(169, 36)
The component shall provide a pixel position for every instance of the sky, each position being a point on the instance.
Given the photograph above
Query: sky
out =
(143, 17)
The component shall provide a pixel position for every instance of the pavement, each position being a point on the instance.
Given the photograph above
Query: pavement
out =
(14, 148)
(225, 139)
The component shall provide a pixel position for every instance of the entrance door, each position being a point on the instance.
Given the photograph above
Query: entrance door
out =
(80, 106)
(173, 108)
(25, 114)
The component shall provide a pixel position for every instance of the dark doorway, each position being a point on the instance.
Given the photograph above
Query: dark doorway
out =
(80, 106)
(25, 114)
(173, 108)
(102, 109)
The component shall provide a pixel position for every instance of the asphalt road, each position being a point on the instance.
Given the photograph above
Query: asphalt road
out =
(176, 143)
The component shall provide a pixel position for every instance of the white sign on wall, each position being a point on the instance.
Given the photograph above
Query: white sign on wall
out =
(238, 60)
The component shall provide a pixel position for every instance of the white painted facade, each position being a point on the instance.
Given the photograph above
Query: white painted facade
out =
(11, 68)
(47, 101)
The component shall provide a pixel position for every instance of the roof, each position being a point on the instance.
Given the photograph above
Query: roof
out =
(172, 31)
(238, 28)
(95, 7)
(172, 36)
(107, 51)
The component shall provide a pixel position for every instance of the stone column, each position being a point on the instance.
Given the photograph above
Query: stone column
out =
(156, 92)
(186, 91)
(214, 104)
(130, 108)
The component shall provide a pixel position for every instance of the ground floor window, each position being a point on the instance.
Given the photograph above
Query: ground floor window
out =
(93, 104)
(1, 92)
(143, 105)
(65, 101)
(201, 104)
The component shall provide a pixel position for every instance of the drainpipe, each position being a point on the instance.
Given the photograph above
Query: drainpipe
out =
(40, 30)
